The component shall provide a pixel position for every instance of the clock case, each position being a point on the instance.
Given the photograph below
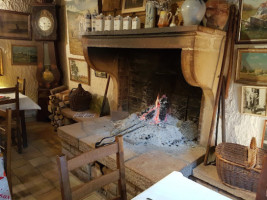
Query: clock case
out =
(36, 10)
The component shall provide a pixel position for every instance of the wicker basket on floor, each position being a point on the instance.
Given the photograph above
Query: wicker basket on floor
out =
(234, 167)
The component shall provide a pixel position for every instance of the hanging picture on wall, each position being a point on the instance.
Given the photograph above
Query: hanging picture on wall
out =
(23, 55)
(79, 71)
(264, 136)
(253, 21)
(251, 66)
(100, 74)
(15, 25)
(1, 63)
(129, 6)
(76, 10)
(253, 100)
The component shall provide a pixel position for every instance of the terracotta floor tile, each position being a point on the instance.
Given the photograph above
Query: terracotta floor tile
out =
(18, 163)
(39, 161)
(25, 170)
(53, 194)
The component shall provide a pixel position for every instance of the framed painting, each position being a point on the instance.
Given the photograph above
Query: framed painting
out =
(253, 100)
(24, 55)
(79, 71)
(1, 63)
(76, 9)
(100, 74)
(264, 136)
(252, 22)
(15, 25)
(129, 6)
(251, 66)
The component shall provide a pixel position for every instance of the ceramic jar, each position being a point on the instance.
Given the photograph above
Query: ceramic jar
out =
(150, 15)
(193, 12)
(118, 21)
(217, 13)
(88, 22)
(109, 23)
(136, 23)
(127, 23)
(99, 22)
(93, 19)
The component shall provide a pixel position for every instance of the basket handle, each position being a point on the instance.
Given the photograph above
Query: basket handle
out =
(252, 154)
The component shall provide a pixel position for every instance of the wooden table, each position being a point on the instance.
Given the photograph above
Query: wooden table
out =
(177, 187)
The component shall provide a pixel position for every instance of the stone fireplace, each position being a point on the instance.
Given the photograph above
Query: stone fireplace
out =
(183, 63)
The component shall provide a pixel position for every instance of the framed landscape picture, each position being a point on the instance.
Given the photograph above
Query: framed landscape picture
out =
(253, 21)
(79, 71)
(264, 136)
(100, 74)
(15, 25)
(251, 66)
(253, 100)
(76, 10)
(23, 55)
(129, 6)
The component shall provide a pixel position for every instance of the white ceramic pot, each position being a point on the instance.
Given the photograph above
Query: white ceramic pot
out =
(193, 11)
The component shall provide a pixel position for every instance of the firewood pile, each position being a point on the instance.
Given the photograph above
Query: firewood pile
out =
(58, 100)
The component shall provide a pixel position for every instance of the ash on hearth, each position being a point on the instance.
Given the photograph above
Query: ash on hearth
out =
(157, 127)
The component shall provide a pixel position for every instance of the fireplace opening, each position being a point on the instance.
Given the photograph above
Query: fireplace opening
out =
(144, 75)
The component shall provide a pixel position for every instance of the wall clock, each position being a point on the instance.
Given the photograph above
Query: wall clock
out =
(44, 22)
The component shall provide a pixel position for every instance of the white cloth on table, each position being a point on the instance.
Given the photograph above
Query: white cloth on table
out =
(177, 187)
(4, 188)
(25, 103)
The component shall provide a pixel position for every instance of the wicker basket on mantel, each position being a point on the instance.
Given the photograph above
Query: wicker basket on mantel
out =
(239, 166)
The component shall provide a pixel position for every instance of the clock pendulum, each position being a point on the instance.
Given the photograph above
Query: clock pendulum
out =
(44, 25)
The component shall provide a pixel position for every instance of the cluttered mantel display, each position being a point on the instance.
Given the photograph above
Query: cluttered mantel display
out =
(191, 12)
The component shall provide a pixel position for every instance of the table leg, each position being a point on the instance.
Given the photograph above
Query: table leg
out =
(23, 128)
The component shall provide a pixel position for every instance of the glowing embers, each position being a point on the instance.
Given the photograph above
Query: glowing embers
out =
(157, 113)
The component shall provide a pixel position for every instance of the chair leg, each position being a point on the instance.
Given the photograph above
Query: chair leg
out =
(23, 129)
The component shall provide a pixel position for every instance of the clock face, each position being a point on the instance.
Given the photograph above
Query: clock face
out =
(45, 23)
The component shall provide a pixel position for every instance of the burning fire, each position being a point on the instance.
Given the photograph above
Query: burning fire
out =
(158, 112)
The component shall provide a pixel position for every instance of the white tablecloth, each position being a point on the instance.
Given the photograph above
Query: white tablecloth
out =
(177, 187)
(25, 103)
(4, 188)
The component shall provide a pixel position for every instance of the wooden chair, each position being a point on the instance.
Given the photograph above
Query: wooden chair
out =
(85, 189)
(262, 184)
(15, 113)
(5, 143)
(22, 90)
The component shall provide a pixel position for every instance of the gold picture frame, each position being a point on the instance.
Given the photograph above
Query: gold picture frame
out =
(1, 63)
(79, 71)
(264, 136)
(130, 6)
(251, 68)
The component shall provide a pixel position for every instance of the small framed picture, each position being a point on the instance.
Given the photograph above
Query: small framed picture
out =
(251, 66)
(100, 74)
(79, 71)
(253, 100)
(264, 136)
(252, 22)
(23, 55)
(129, 6)
(15, 25)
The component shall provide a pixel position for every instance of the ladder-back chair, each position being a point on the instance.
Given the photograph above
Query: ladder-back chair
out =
(22, 89)
(15, 112)
(5, 143)
(262, 184)
(85, 189)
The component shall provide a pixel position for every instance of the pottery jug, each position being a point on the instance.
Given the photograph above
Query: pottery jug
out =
(164, 18)
(193, 11)
(150, 15)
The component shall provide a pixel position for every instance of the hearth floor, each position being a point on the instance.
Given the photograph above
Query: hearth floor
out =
(207, 175)
(34, 172)
(144, 165)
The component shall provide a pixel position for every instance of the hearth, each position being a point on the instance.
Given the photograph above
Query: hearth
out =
(150, 62)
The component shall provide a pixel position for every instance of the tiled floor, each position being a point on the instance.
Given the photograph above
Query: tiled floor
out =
(34, 172)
